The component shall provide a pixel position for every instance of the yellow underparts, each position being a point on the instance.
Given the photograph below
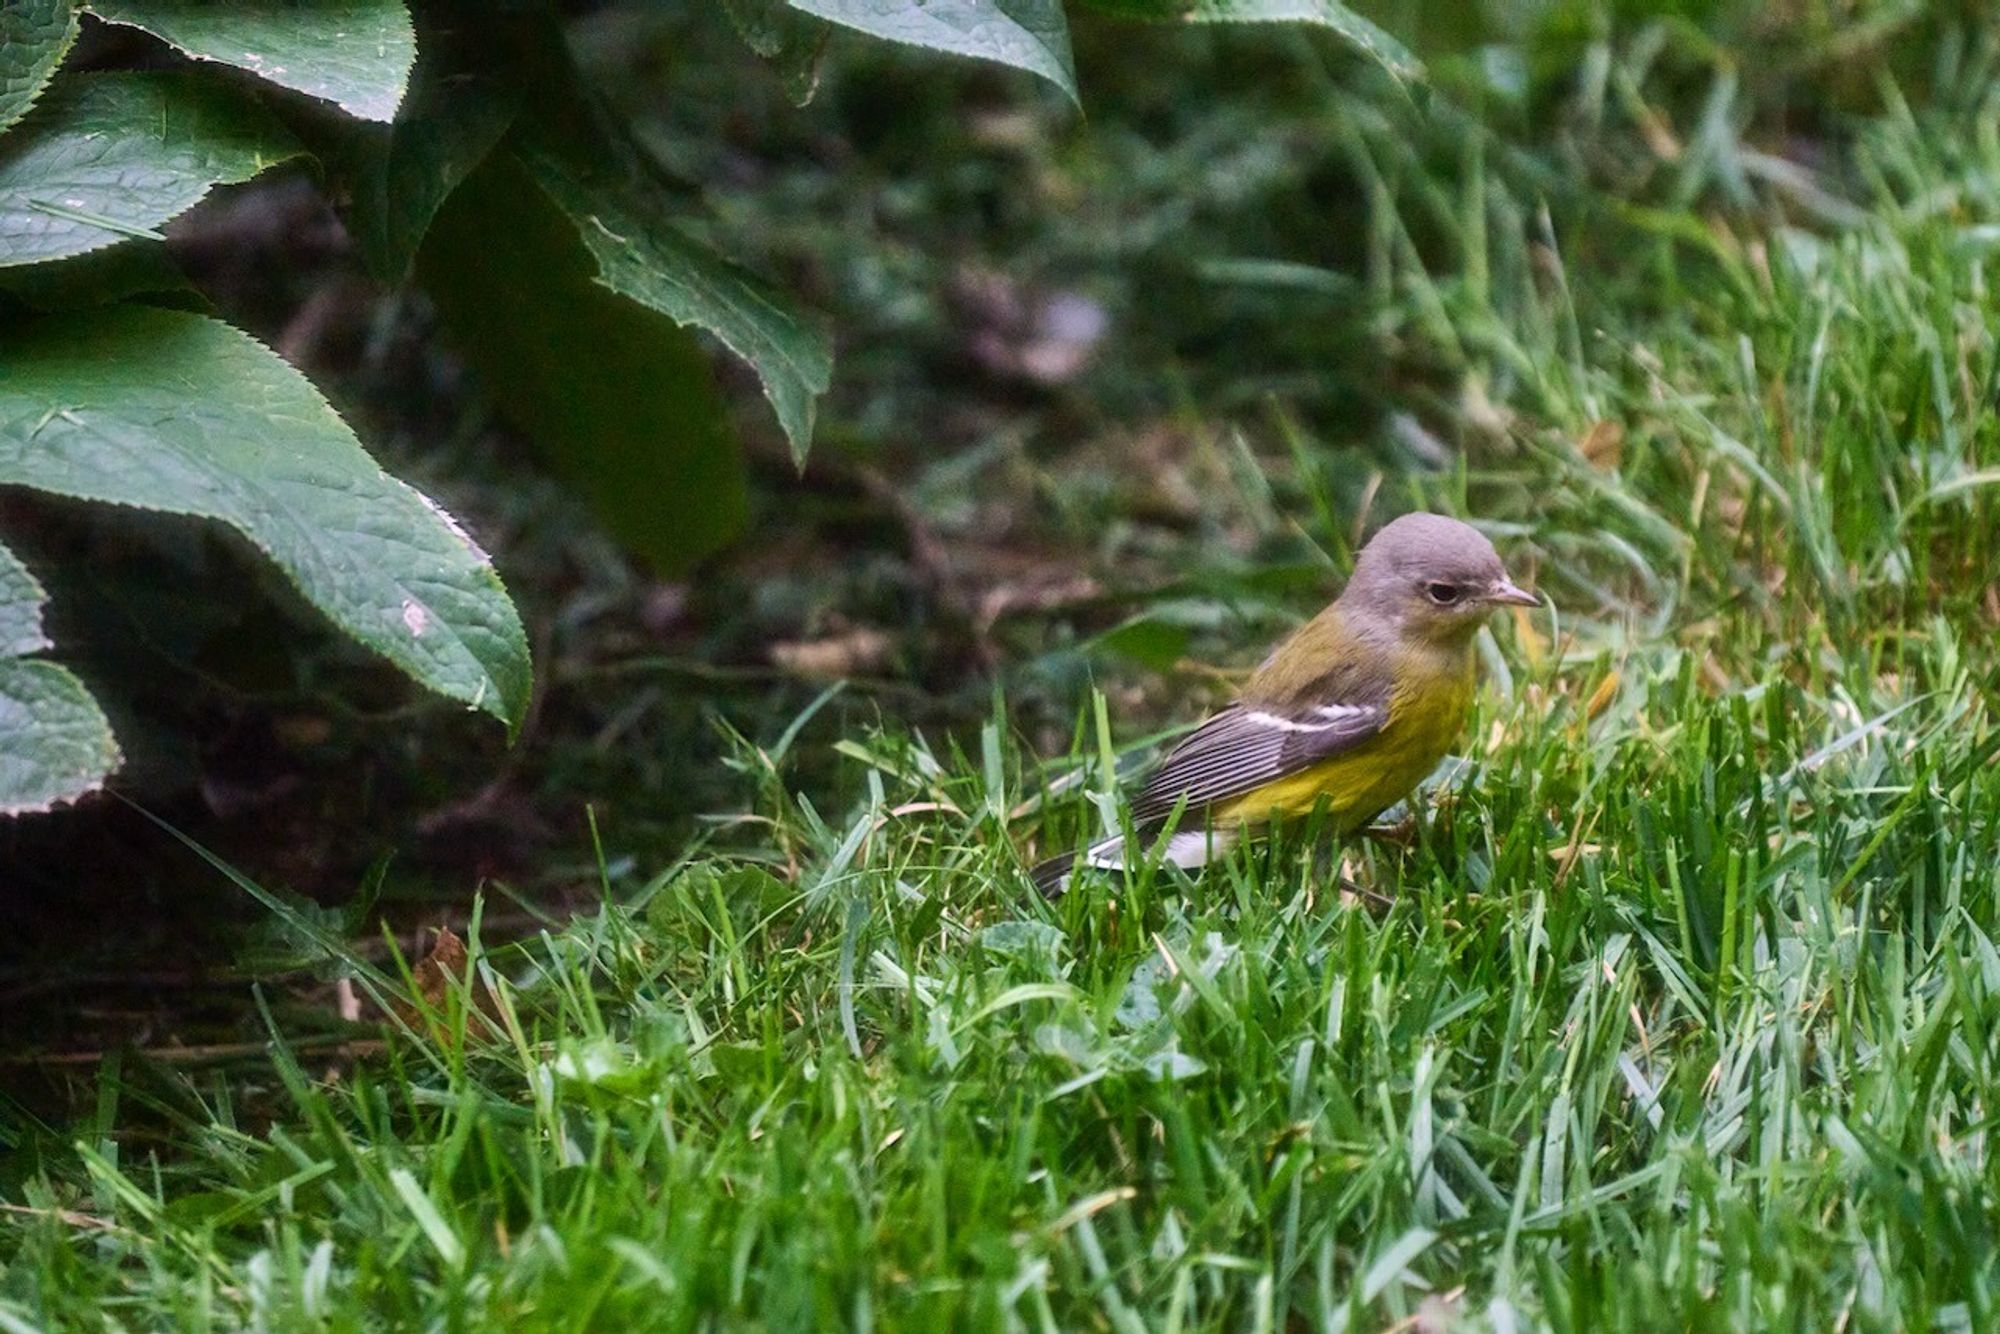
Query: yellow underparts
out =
(1426, 714)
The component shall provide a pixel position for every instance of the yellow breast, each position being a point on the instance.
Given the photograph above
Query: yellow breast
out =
(1426, 713)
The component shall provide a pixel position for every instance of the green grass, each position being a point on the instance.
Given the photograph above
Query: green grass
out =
(1687, 1011)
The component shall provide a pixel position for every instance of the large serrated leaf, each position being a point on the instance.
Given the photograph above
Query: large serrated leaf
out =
(1365, 36)
(400, 175)
(617, 399)
(34, 37)
(55, 744)
(1027, 34)
(355, 54)
(136, 268)
(177, 412)
(644, 257)
(111, 156)
(20, 609)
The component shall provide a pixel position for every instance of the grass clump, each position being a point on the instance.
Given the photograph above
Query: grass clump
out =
(1684, 1020)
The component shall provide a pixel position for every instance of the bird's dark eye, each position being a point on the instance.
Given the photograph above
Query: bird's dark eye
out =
(1442, 594)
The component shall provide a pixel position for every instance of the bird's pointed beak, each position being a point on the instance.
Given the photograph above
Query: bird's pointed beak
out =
(1507, 593)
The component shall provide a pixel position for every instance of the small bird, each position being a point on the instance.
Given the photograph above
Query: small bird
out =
(1347, 715)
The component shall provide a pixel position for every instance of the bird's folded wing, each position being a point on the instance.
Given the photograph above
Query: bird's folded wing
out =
(1245, 746)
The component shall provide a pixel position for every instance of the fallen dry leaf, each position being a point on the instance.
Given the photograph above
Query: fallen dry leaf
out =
(432, 979)
(856, 652)
(1603, 445)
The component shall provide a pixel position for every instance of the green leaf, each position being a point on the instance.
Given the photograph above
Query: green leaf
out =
(55, 744)
(356, 54)
(136, 268)
(1148, 640)
(1027, 34)
(641, 255)
(20, 609)
(616, 398)
(401, 175)
(34, 37)
(107, 157)
(1371, 40)
(177, 412)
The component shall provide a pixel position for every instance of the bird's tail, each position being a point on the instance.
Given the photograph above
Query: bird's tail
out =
(1053, 875)
(1188, 850)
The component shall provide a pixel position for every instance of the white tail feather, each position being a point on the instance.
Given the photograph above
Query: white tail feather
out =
(1189, 850)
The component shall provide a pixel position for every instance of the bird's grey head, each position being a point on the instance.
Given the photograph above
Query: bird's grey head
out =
(1431, 576)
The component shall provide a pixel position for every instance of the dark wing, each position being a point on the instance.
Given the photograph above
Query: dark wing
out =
(1246, 746)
